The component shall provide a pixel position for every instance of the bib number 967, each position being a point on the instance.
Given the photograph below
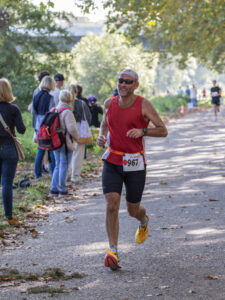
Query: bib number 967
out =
(133, 162)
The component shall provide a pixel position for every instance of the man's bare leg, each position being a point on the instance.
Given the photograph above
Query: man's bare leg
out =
(112, 228)
(112, 219)
(136, 210)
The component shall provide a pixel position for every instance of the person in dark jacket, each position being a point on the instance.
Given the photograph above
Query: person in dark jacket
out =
(8, 153)
(42, 102)
(96, 110)
(79, 94)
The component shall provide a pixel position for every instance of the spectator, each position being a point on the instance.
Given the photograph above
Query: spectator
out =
(41, 75)
(193, 95)
(187, 92)
(115, 92)
(79, 94)
(96, 110)
(180, 91)
(80, 108)
(8, 153)
(59, 82)
(80, 97)
(42, 102)
(63, 155)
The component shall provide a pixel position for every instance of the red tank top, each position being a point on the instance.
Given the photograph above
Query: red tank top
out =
(119, 121)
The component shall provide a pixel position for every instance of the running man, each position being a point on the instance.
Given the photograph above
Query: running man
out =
(125, 121)
(215, 94)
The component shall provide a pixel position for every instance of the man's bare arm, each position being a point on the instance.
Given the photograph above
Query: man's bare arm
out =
(150, 114)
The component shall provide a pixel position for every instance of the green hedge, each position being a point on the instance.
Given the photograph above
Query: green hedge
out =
(167, 103)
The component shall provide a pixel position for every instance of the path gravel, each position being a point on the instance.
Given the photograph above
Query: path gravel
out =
(184, 256)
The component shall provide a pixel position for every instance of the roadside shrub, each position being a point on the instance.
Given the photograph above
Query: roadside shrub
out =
(167, 103)
(29, 147)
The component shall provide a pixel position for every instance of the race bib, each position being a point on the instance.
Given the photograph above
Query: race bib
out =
(133, 162)
(214, 94)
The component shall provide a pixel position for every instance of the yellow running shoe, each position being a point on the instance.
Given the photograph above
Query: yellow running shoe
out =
(112, 260)
(142, 233)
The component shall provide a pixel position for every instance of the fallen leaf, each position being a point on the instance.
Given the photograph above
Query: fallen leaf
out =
(34, 233)
(213, 200)
(6, 278)
(6, 243)
(211, 277)
(163, 182)
(183, 206)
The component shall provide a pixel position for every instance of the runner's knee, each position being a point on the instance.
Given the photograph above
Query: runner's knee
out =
(112, 202)
(132, 211)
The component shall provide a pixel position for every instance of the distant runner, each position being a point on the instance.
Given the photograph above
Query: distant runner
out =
(216, 94)
(126, 118)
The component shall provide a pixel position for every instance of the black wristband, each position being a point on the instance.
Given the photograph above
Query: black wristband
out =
(144, 131)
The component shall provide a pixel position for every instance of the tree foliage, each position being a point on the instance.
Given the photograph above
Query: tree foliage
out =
(181, 28)
(27, 45)
(99, 60)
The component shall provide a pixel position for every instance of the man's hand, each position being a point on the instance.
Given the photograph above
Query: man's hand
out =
(101, 140)
(135, 133)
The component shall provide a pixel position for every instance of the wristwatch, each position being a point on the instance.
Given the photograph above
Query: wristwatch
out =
(144, 131)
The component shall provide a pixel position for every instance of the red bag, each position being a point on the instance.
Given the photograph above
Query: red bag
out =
(50, 136)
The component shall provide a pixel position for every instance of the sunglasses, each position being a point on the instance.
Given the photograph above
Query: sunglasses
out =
(127, 81)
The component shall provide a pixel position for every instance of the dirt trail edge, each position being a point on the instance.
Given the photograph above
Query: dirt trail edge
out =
(184, 256)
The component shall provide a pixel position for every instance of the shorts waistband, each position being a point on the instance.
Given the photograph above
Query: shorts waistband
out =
(122, 153)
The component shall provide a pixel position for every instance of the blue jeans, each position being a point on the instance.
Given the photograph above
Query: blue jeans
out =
(194, 101)
(38, 162)
(8, 164)
(62, 161)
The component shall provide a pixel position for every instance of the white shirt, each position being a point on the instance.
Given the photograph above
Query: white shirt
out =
(56, 95)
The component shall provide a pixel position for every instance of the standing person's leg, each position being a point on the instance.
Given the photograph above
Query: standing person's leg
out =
(51, 162)
(9, 159)
(77, 162)
(45, 162)
(65, 157)
(85, 152)
(54, 189)
(38, 163)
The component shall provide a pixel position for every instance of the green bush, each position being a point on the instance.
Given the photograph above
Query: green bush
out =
(29, 147)
(168, 103)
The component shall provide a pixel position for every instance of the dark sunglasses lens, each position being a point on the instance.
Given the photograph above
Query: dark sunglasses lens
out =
(127, 81)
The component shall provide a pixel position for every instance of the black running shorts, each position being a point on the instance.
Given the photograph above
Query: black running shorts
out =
(113, 178)
(216, 101)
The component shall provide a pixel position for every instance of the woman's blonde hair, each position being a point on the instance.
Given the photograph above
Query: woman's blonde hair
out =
(73, 90)
(65, 96)
(6, 94)
(47, 84)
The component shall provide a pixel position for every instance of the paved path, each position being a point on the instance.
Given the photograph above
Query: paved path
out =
(186, 246)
